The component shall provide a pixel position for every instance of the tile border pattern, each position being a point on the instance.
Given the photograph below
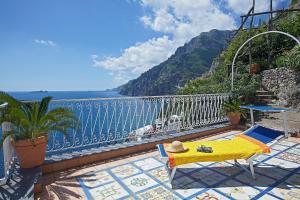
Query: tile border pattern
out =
(213, 188)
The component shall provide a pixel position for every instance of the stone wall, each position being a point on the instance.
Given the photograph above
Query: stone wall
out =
(276, 80)
(283, 82)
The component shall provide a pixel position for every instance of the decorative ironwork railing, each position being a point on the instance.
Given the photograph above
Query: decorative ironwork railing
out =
(8, 151)
(106, 121)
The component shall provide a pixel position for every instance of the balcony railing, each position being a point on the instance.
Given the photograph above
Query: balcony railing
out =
(8, 151)
(108, 121)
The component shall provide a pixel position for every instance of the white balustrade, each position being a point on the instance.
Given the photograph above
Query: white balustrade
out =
(107, 121)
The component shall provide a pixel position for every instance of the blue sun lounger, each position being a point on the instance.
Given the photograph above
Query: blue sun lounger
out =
(270, 109)
(258, 133)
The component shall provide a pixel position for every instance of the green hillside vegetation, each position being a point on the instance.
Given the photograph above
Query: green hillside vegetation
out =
(189, 61)
(285, 54)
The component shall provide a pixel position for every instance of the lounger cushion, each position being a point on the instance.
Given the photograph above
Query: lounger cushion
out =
(237, 148)
(263, 134)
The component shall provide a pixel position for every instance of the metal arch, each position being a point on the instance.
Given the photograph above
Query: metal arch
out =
(267, 32)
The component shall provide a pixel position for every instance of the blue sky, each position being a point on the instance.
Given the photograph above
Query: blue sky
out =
(99, 44)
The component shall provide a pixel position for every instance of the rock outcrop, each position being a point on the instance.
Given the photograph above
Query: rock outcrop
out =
(285, 83)
(188, 62)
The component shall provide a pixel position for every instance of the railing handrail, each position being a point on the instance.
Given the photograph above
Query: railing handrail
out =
(128, 98)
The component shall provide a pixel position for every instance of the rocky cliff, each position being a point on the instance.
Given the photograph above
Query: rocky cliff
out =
(189, 61)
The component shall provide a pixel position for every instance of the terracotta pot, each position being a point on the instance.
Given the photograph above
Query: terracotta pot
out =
(234, 118)
(254, 68)
(31, 153)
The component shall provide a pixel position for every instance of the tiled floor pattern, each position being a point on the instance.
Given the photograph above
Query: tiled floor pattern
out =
(278, 177)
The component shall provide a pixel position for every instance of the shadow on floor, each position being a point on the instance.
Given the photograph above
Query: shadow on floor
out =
(21, 184)
(192, 178)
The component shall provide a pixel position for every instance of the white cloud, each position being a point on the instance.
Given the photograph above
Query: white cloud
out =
(137, 59)
(243, 6)
(179, 21)
(48, 43)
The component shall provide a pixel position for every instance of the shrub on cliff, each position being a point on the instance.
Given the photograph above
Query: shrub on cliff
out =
(290, 59)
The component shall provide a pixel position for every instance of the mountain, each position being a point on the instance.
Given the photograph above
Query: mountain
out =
(189, 61)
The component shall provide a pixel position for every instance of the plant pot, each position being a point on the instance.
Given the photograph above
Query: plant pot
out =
(296, 135)
(31, 153)
(234, 118)
(254, 68)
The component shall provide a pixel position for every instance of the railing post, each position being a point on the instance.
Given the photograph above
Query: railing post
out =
(8, 151)
(162, 113)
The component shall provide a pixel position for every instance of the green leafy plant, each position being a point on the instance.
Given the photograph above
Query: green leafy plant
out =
(34, 119)
(233, 106)
(290, 59)
(284, 54)
(245, 85)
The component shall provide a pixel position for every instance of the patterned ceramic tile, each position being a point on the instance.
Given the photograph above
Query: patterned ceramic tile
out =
(210, 195)
(213, 179)
(148, 163)
(285, 192)
(208, 176)
(287, 143)
(191, 165)
(290, 157)
(181, 183)
(97, 178)
(129, 198)
(139, 182)
(271, 171)
(187, 187)
(157, 193)
(220, 165)
(188, 168)
(279, 147)
(261, 182)
(185, 193)
(294, 180)
(202, 173)
(161, 174)
(237, 190)
(148, 179)
(282, 163)
(108, 192)
(205, 163)
(226, 168)
(294, 151)
(273, 152)
(261, 157)
(242, 162)
(124, 171)
(268, 197)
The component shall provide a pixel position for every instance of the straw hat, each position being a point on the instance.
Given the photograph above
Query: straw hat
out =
(176, 147)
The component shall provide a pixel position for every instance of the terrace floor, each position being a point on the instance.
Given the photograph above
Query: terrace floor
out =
(144, 177)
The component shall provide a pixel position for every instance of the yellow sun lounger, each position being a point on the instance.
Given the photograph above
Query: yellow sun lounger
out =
(253, 142)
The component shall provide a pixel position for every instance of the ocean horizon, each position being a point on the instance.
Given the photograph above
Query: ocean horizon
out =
(57, 95)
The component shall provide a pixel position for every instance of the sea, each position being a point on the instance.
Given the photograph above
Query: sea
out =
(38, 95)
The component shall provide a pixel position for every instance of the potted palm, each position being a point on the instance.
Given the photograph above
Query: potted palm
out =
(30, 124)
(233, 111)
